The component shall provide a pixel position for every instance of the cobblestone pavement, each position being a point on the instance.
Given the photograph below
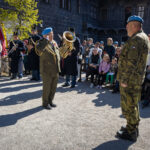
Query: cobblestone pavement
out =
(84, 119)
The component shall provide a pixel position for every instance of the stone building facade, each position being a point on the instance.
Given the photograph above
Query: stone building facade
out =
(98, 19)
(114, 14)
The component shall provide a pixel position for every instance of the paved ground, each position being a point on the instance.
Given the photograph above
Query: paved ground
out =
(85, 119)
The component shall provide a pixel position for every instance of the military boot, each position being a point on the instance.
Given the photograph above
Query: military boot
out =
(127, 136)
(123, 128)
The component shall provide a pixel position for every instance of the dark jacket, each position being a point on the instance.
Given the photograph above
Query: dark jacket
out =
(110, 50)
(70, 62)
(33, 57)
(15, 55)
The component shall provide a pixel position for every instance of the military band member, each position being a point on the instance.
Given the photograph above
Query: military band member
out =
(33, 57)
(132, 64)
(49, 66)
(70, 63)
(15, 52)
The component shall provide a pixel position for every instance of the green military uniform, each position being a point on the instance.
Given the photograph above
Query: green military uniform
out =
(49, 68)
(132, 64)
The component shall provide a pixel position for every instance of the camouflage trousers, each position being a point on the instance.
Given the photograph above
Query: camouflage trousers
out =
(49, 88)
(130, 97)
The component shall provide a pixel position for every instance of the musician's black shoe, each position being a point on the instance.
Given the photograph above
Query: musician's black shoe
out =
(32, 79)
(114, 91)
(72, 86)
(47, 107)
(127, 136)
(53, 105)
(123, 128)
(79, 80)
(12, 78)
(65, 85)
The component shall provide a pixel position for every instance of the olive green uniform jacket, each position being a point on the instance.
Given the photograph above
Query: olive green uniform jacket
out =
(49, 68)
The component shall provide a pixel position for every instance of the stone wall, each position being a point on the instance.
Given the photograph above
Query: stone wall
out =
(98, 19)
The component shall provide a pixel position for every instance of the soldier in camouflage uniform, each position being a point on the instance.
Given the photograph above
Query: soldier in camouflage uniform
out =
(49, 66)
(132, 64)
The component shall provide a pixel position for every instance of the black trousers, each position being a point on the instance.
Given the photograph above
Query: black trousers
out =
(101, 78)
(92, 71)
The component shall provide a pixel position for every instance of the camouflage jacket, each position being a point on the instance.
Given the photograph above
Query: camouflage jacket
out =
(132, 61)
(49, 59)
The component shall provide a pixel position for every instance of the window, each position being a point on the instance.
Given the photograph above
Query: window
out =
(66, 4)
(104, 14)
(46, 1)
(128, 13)
(78, 6)
(93, 12)
(141, 11)
(62, 3)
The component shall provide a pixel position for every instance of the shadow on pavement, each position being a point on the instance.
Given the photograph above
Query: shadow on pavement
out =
(114, 145)
(20, 98)
(107, 98)
(15, 82)
(4, 79)
(144, 113)
(12, 89)
(104, 97)
(11, 119)
(82, 87)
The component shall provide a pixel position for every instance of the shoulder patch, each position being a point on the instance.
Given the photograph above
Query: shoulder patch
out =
(133, 47)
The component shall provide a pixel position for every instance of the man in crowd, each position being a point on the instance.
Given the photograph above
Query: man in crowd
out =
(132, 64)
(49, 66)
(15, 52)
(33, 57)
(70, 63)
(101, 45)
(109, 48)
(97, 44)
(115, 44)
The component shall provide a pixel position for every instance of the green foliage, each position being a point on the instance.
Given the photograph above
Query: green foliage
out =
(21, 14)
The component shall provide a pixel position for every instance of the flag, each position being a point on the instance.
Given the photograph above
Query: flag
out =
(3, 40)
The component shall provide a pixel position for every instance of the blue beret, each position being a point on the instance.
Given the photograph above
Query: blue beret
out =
(116, 42)
(101, 42)
(47, 31)
(135, 18)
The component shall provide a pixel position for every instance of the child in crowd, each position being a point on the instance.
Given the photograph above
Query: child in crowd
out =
(103, 70)
(112, 71)
(94, 62)
(118, 52)
(117, 55)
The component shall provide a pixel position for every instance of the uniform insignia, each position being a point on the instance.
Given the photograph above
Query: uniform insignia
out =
(133, 47)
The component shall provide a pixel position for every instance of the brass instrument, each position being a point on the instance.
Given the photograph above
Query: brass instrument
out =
(48, 48)
(12, 49)
(67, 45)
(35, 44)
